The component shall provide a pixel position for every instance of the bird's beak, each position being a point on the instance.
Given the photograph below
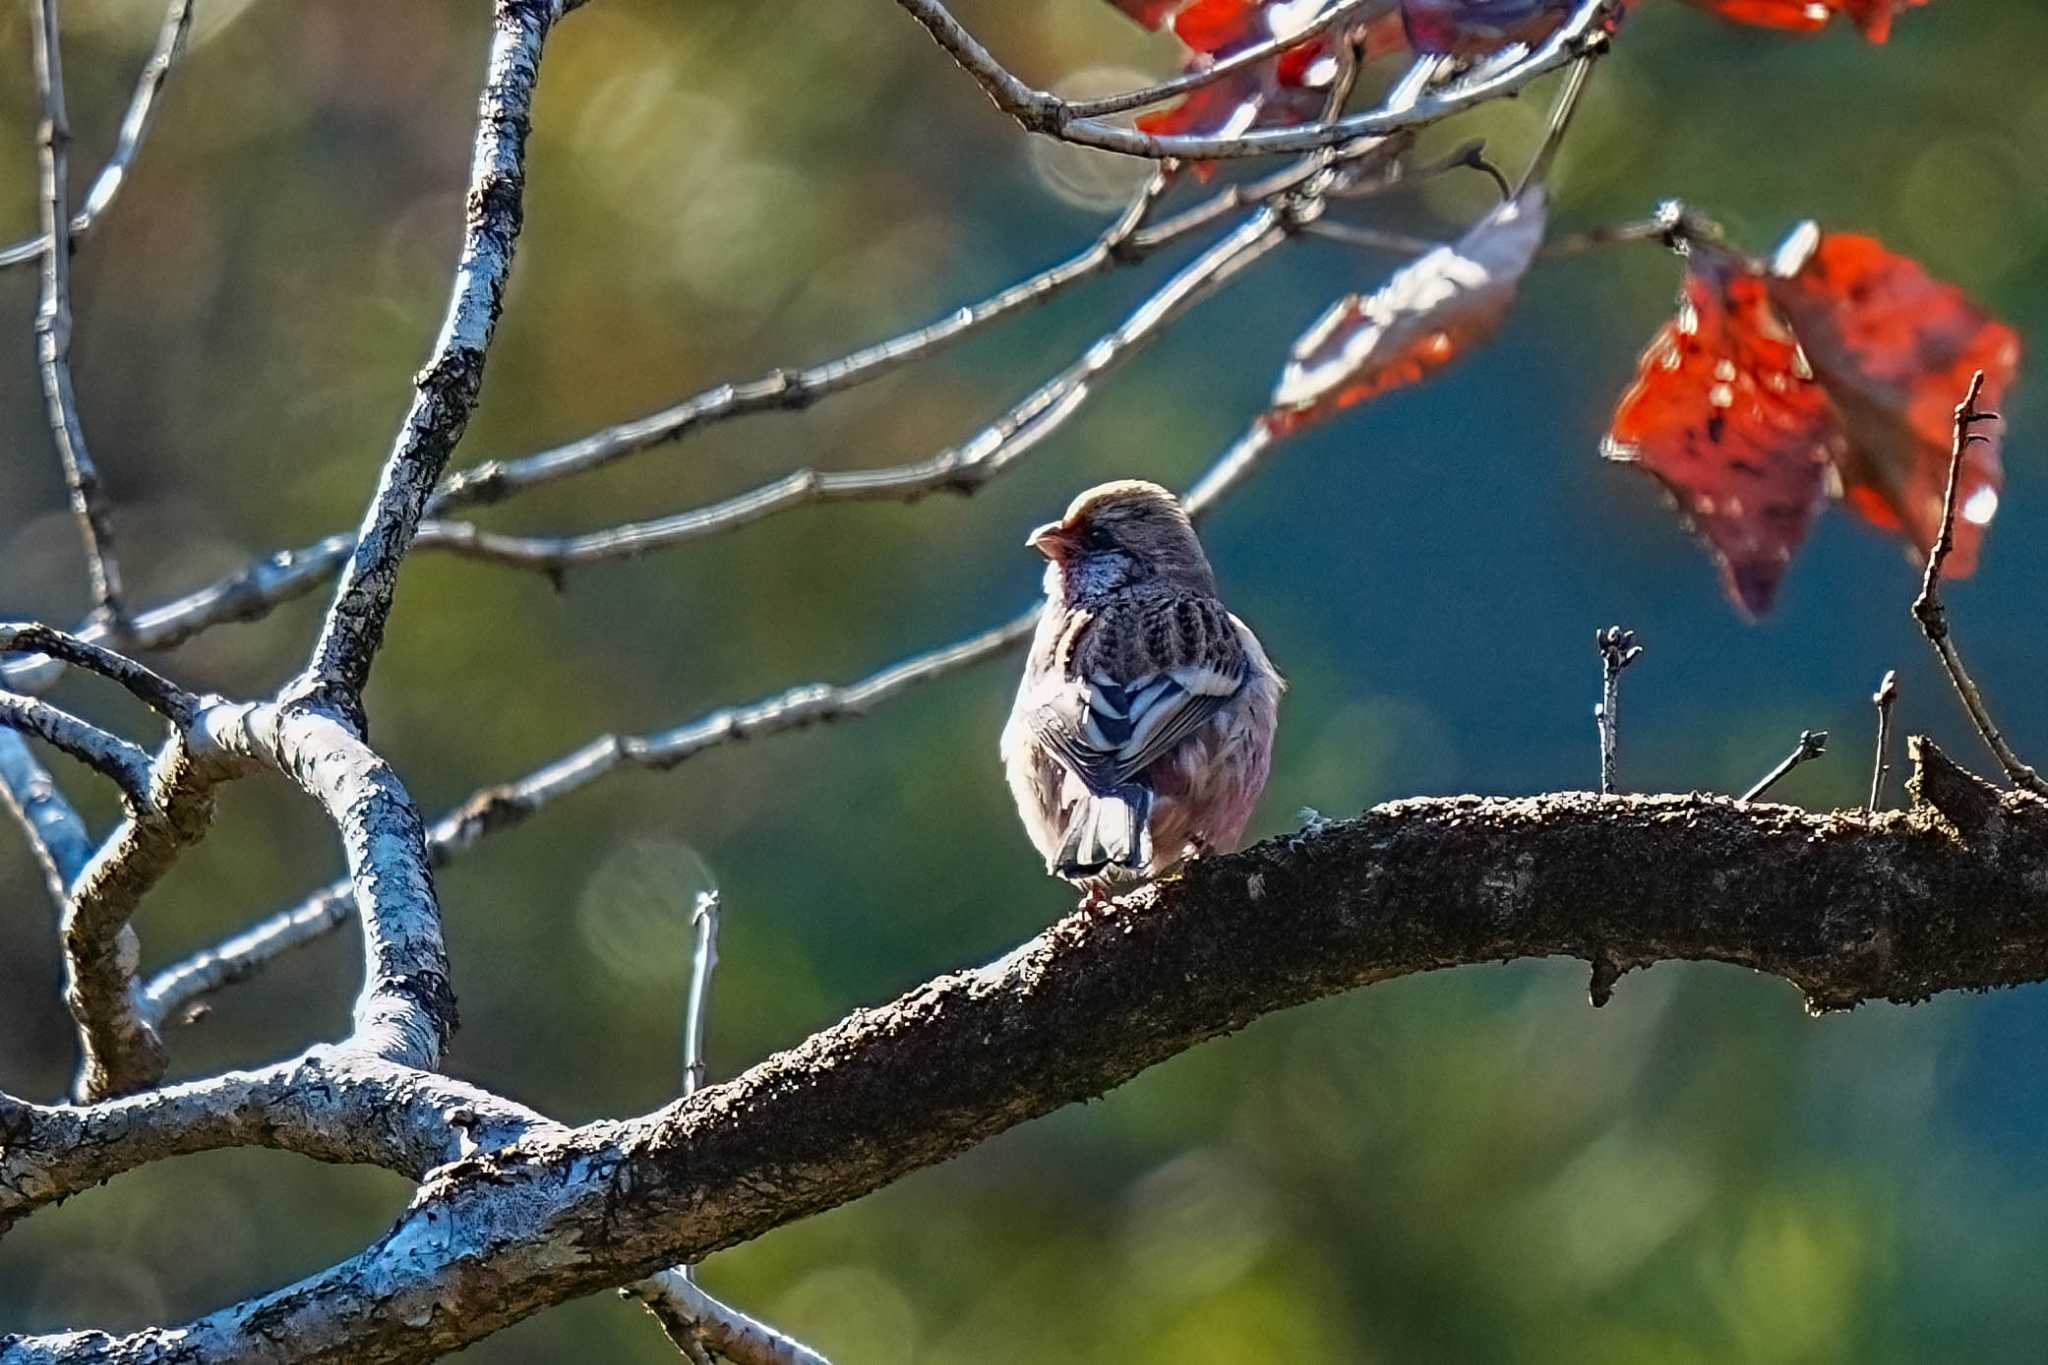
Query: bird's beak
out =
(1053, 540)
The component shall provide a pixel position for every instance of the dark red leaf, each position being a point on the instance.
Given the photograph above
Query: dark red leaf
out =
(1471, 28)
(1289, 89)
(1895, 350)
(1726, 415)
(1430, 312)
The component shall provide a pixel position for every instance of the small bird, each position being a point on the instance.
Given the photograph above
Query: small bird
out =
(1143, 729)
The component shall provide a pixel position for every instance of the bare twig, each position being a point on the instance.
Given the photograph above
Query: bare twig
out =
(1886, 694)
(109, 755)
(447, 389)
(53, 326)
(170, 45)
(785, 390)
(56, 835)
(1812, 744)
(1357, 11)
(1932, 615)
(148, 686)
(1673, 226)
(962, 468)
(1585, 33)
(1618, 649)
(286, 575)
(698, 1324)
(1560, 123)
(703, 962)
(1372, 239)
(693, 1318)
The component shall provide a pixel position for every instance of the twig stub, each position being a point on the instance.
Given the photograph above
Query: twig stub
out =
(1812, 744)
(1932, 615)
(1618, 649)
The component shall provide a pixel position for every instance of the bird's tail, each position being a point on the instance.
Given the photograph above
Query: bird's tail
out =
(1108, 830)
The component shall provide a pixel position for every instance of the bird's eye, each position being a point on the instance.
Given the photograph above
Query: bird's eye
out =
(1099, 539)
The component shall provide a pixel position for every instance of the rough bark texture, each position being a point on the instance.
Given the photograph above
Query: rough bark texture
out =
(1847, 906)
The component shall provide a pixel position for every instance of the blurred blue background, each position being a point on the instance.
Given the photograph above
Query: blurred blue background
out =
(1467, 1166)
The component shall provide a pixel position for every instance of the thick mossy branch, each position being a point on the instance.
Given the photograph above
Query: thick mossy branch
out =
(1848, 906)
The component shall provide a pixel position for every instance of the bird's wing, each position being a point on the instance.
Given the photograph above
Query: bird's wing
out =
(1135, 681)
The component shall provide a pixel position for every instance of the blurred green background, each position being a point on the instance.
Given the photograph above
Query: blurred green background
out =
(1468, 1166)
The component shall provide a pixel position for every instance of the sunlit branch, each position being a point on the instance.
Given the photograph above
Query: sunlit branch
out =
(142, 106)
(1585, 33)
(58, 838)
(145, 684)
(787, 390)
(962, 468)
(109, 755)
(1357, 11)
(1111, 990)
(53, 324)
(447, 388)
(253, 591)
(687, 1313)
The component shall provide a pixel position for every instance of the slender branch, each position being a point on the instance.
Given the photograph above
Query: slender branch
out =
(963, 468)
(1812, 744)
(690, 1315)
(1042, 111)
(58, 838)
(1372, 239)
(283, 576)
(1846, 906)
(405, 1012)
(254, 590)
(142, 105)
(1586, 33)
(53, 324)
(1932, 614)
(1886, 694)
(788, 390)
(1560, 123)
(107, 754)
(695, 1322)
(248, 594)
(328, 1104)
(703, 962)
(447, 389)
(1673, 226)
(145, 684)
(1358, 11)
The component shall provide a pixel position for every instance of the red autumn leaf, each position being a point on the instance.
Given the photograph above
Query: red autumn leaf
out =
(1726, 415)
(1895, 349)
(1873, 17)
(1289, 89)
(1430, 312)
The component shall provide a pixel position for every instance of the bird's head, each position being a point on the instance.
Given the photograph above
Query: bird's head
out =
(1118, 534)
